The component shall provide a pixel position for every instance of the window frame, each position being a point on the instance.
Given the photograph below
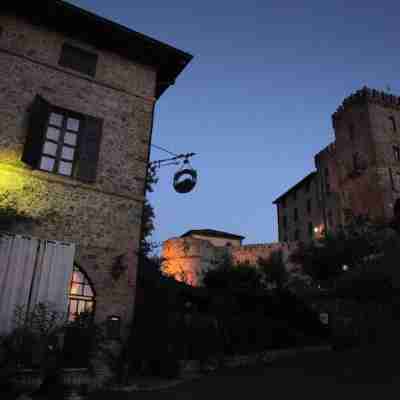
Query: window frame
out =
(60, 143)
(81, 298)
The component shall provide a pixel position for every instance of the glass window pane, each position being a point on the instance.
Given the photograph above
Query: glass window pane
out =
(65, 168)
(75, 287)
(77, 276)
(56, 119)
(70, 138)
(53, 133)
(47, 163)
(72, 306)
(81, 306)
(50, 148)
(89, 306)
(67, 153)
(87, 291)
(73, 124)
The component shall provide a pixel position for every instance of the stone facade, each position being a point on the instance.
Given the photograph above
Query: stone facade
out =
(102, 217)
(187, 258)
(358, 174)
(299, 211)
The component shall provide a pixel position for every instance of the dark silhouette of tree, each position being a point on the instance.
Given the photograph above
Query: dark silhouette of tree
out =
(327, 259)
(273, 270)
(231, 276)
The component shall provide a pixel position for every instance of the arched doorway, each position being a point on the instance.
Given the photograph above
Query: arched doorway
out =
(77, 340)
(82, 297)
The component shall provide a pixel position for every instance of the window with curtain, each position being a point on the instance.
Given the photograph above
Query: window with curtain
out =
(81, 294)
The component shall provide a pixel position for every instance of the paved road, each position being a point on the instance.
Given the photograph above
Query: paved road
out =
(313, 376)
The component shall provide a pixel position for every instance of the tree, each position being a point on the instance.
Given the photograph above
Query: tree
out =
(230, 276)
(147, 223)
(273, 270)
(327, 259)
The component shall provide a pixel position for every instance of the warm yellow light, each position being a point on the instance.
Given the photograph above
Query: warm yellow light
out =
(316, 229)
(22, 190)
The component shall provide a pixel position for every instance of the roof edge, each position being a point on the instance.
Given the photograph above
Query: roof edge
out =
(296, 186)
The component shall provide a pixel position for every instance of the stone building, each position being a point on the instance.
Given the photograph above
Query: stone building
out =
(197, 251)
(358, 174)
(77, 99)
(299, 210)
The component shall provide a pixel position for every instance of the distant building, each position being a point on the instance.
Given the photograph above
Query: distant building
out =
(216, 238)
(197, 251)
(358, 174)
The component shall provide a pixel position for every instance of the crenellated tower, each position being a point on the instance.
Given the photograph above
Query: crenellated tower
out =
(367, 131)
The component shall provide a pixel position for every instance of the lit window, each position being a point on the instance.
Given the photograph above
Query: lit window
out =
(81, 295)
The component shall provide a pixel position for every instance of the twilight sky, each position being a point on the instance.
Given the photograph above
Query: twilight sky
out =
(256, 100)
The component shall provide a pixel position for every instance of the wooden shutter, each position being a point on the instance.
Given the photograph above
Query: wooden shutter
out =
(89, 149)
(38, 118)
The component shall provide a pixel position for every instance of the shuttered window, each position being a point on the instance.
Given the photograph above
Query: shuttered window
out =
(62, 141)
(78, 59)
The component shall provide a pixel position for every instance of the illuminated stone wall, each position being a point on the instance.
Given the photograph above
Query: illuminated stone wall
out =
(188, 258)
(103, 218)
(250, 253)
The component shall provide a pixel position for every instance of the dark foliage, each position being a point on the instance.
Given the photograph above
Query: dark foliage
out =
(333, 255)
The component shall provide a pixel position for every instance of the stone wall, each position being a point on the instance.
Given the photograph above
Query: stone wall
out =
(298, 199)
(329, 198)
(187, 258)
(251, 253)
(367, 124)
(363, 171)
(102, 218)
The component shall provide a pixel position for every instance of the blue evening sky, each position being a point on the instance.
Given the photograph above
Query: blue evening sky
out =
(256, 101)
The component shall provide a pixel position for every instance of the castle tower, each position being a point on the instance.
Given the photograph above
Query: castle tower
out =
(367, 130)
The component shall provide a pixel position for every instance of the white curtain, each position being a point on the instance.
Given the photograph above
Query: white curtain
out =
(33, 271)
(53, 274)
(17, 262)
